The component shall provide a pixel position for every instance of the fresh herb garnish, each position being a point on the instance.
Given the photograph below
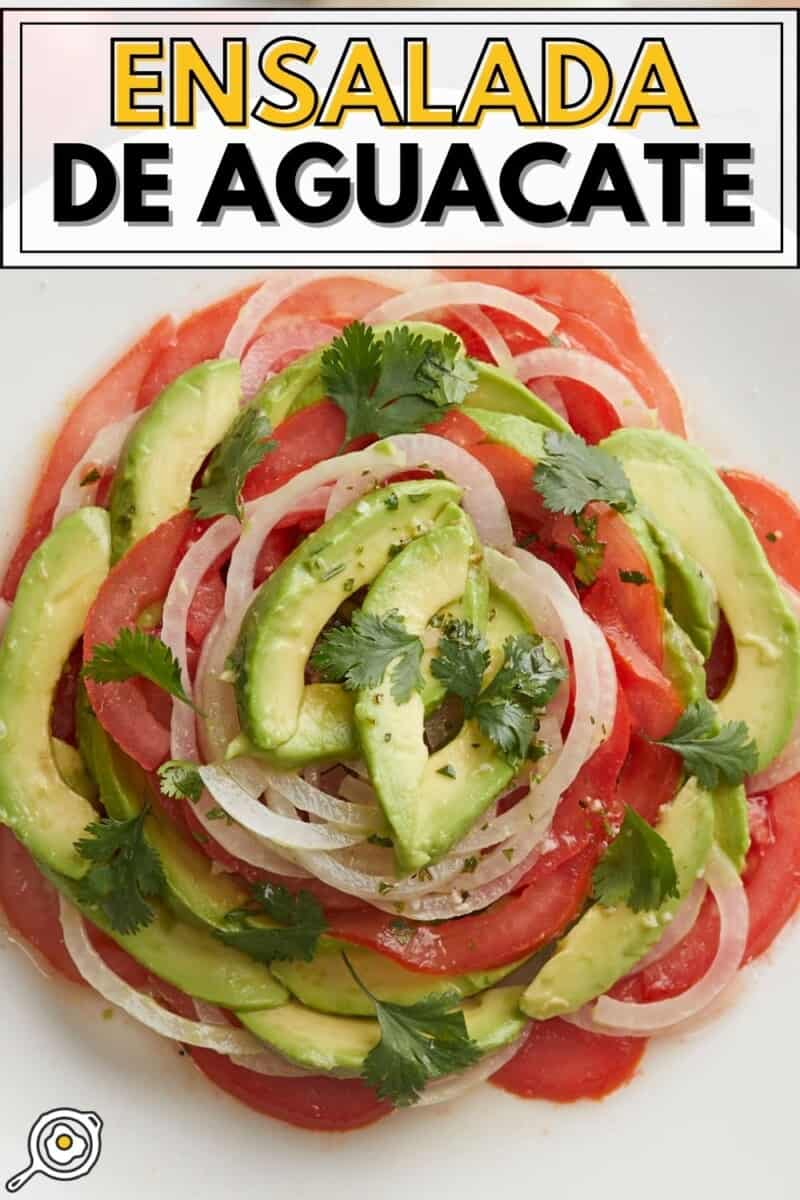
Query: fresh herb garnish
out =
(136, 653)
(92, 476)
(397, 384)
(713, 753)
(358, 655)
(419, 1042)
(572, 474)
(243, 447)
(637, 869)
(125, 872)
(637, 577)
(180, 780)
(300, 916)
(506, 709)
(589, 550)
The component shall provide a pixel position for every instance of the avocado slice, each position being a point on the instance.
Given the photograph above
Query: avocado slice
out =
(72, 769)
(680, 488)
(193, 890)
(326, 985)
(291, 608)
(57, 589)
(683, 662)
(499, 394)
(429, 800)
(323, 1042)
(606, 943)
(731, 824)
(689, 594)
(180, 428)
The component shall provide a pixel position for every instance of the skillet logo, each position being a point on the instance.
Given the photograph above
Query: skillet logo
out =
(445, 137)
(64, 1144)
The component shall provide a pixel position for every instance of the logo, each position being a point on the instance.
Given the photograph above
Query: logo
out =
(63, 1144)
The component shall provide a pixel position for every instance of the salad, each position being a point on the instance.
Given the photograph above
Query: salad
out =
(392, 698)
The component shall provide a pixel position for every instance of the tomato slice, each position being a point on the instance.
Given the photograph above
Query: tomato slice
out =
(513, 474)
(207, 604)
(30, 903)
(654, 703)
(458, 427)
(515, 926)
(303, 439)
(309, 1102)
(772, 876)
(557, 1061)
(775, 517)
(721, 661)
(649, 779)
(139, 579)
(198, 338)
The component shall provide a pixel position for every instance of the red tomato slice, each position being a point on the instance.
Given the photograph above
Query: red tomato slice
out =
(139, 579)
(332, 301)
(721, 661)
(650, 778)
(30, 903)
(590, 414)
(62, 715)
(515, 926)
(303, 439)
(458, 427)
(310, 1102)
(557, 1061)
(775, 517)
(111, 398)
(513, 475)
(655, 705)
(206, 606)
(198, 338)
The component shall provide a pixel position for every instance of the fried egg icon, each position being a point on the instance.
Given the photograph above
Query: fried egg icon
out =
(63, 1143)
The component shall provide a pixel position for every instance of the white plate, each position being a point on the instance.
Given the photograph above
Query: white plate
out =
(710, 1116)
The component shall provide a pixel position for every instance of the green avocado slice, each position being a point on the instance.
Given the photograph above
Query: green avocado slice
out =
(291, 608)
(323, 1042)
(57, 589)
(680, 488)
(326, 985)
(688, 592)
(607, 942)
(180, 428)
(429, 800)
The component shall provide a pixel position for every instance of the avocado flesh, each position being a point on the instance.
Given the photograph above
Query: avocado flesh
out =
(72, 769)
(428, 811)
(325, 732)
(323, 1042)
(57, 589)
(731, 823)
(193, 890)
(500, 395)
(688, 592)
(292, 607)
(679, 486)
(683, 662)
(181, 427)
(606, 943)
(326, 985)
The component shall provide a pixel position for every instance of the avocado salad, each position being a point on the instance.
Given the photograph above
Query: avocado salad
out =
(392, 698)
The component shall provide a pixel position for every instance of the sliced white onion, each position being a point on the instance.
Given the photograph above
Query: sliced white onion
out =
(263, 1062)
(144, 1008)
(363, 818)
(191, 569)
(416, 301)
(439, 1091)
(625, 1019)
(293, 337)
(787, 763)
(547, 390)
(482, 498)
(248, 812)
(279, 285)
(484, 326)
(681, 924)
(102, 455)
(594, 372)
(263, 515)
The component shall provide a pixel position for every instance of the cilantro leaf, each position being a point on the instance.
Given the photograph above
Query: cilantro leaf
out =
(710, 752)
(419, 1042)
(589, 551)
(507, 722)
(397, 384)
(636, 577)
(358, 655)
(572, 474)
(528, 670)
(243, 447)
(136, 653)
(300, 916)
(180, 780)
(125, 871)
(461, 660)
(637, 869)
